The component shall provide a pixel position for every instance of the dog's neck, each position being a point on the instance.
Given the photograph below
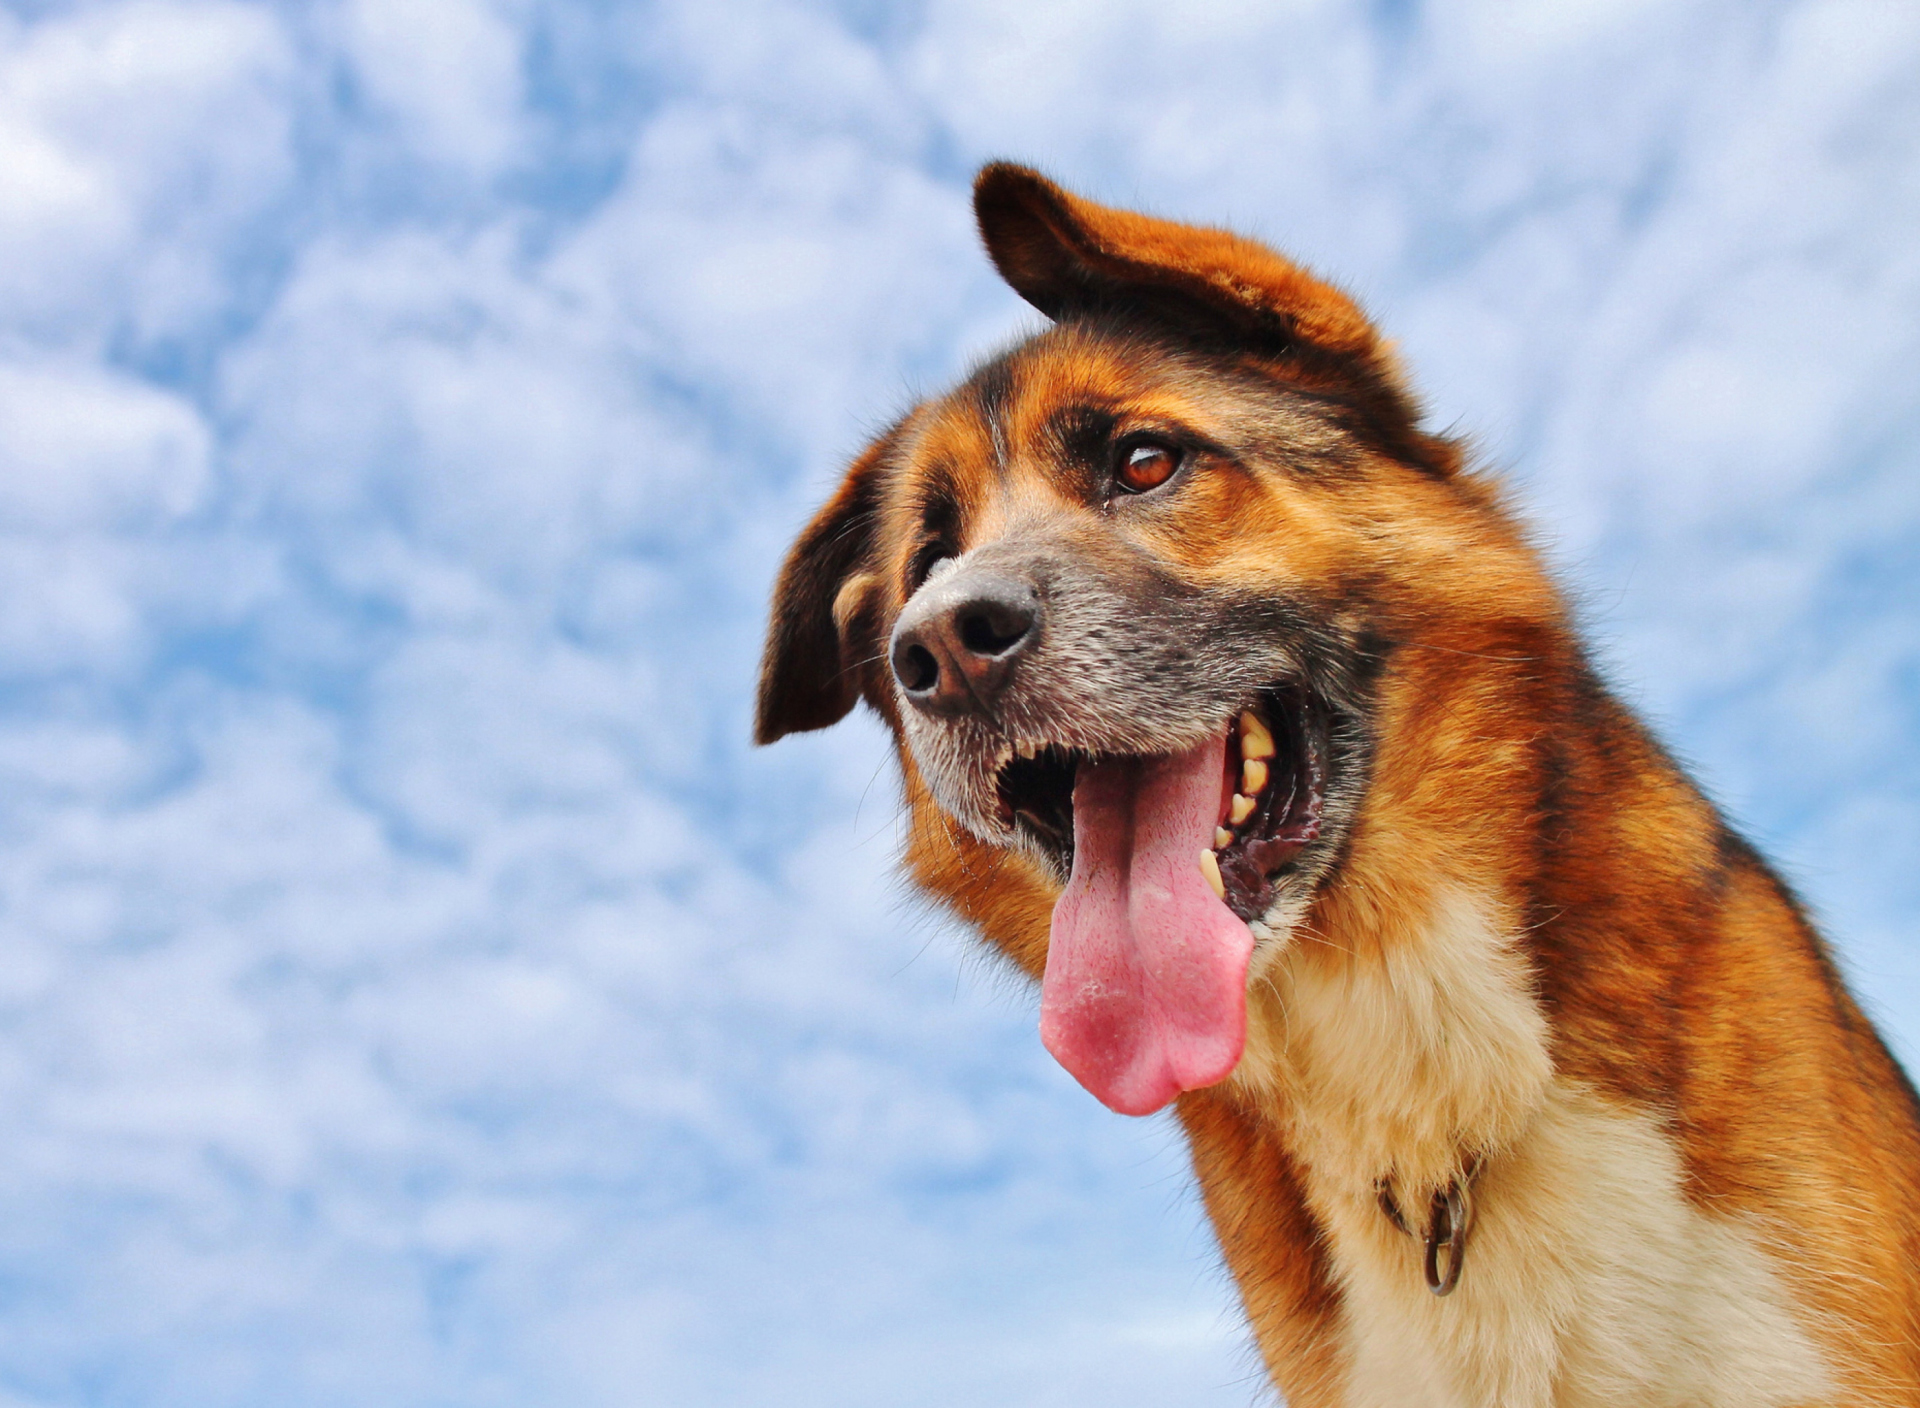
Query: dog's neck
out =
(1395, 1031)
(1400, 1032)
(1400, 1050)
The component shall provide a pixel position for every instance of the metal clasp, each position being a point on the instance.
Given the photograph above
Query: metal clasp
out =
(1449, 1220)
(1447, 1227)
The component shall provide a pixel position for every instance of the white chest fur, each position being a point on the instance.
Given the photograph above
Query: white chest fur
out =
(1590, 1278)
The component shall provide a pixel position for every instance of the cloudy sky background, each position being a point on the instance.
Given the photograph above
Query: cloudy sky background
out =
(414, 992)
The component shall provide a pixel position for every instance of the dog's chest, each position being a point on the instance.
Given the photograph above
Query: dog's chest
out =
(1589, 1277)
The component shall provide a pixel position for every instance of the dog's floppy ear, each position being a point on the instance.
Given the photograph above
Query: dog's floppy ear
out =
(822, 597)
(1067, 256)
(1070, 256)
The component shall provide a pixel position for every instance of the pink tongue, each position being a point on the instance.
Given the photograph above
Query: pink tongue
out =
(1145, 990)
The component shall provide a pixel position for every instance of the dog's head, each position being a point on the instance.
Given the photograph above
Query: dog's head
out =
(1126, 596)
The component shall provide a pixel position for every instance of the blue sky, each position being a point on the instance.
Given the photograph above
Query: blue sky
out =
(412, 989)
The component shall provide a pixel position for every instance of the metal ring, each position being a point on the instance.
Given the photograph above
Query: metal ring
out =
(1447, 1224)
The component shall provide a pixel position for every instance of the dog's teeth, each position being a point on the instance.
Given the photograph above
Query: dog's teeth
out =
(1253, 777)
(1222, 838)
(1240, 808)
(1256, 740)
(1210, 867)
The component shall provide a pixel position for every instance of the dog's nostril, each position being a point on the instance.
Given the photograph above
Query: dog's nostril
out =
(994, 628)
(956, 643)
(916, 668)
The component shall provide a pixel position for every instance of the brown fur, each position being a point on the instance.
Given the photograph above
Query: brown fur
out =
(1620, 956)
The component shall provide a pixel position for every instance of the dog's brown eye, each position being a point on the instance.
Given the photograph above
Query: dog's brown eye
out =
(1146, 464)
(924, 561)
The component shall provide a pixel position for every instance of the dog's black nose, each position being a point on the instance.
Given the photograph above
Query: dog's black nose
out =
(956, 643)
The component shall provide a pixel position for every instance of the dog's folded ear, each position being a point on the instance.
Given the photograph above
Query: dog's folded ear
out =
(809, 673)
(1066, 255)
(1071, 257)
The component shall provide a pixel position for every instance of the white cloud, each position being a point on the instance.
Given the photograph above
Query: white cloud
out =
(448, 72)
(788, 270)
(411, 987)
(136, 141)
(80, 447)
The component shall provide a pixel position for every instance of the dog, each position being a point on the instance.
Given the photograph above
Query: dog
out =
(1234, 707)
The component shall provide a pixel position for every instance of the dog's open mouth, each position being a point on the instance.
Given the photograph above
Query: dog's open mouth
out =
(1272, 795)
(1170, 863)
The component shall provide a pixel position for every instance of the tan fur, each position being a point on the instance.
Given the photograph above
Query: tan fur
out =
(1399, 1055)
(1594, 1280)
(1527, 949)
